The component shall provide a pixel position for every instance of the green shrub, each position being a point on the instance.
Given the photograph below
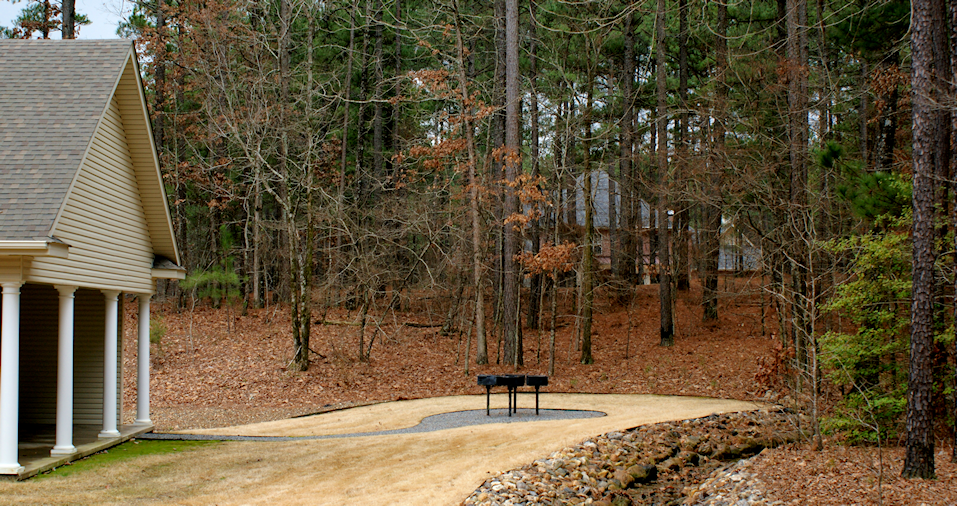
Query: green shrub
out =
(870, 363)
(218, 284)
(157, 330)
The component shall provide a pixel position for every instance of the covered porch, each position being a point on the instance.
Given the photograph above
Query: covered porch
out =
(38, 440)
(84, 219)
(61, 375)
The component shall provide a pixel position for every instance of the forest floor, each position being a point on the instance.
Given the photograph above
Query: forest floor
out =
(217, 367)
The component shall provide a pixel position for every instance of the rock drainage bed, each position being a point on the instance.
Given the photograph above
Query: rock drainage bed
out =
(686, 462)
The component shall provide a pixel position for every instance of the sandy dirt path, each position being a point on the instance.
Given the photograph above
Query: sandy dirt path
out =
(440, 468)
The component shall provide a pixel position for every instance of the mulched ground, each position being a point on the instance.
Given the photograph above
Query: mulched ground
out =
(842, 475)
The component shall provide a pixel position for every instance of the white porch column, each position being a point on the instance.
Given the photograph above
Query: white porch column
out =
(143, 360)
(10, 379)
(109, 367)
(64, 374)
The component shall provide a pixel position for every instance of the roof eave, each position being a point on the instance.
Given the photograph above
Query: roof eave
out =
(168, 273)
(35, 248)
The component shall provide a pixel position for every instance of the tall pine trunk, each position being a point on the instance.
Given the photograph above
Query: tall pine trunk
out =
(378, 141)
(496, 173)
(682, 215)
(511, 322)
(797, 65)
(396, 112)
(68, 14)
(953, 187)
(535, 283)
(711, 243)
(664, 253)
(629, 213)
(588, 262)
(919, 458)
(481, 357)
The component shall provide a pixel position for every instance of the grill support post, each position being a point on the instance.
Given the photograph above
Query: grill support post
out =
(511, 382)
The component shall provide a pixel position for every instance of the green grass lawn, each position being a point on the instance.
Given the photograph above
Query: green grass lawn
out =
(128, 450)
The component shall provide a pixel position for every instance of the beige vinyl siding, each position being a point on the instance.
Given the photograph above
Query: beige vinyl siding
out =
(39, 329)
(133, 109)
(88, 340)
(103, 221)
(10, 268)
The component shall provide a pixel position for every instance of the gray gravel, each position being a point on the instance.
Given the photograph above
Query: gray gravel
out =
(432, 423)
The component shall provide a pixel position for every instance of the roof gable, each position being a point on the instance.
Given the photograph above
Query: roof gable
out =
(51, 98)
(53, 95)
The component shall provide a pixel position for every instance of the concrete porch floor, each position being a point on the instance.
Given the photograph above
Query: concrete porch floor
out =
(36, 441)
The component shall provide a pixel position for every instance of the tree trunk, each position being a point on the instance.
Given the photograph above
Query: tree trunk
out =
(825, 97)
(864, 113)
(496, 173)
(396, 147)
(943, 90)
(257, 236)
(553, 328)
(711, 243)
(47, 21)
(664, 253)
(653, 237)
(346, 99)
(629, 215)
(298, 278)
(953, 187)
(159, 77)
(887, 124)
(797, 63)
(306, 249)
(180, 191)
(919, 459)
(362, 183)
(535, 283)
(588, 262)
(68, 13)
(682, 261)
(568, 163)
(363, 315)
(613, 235)
(511, 322)
(378, 142)
(481, 357)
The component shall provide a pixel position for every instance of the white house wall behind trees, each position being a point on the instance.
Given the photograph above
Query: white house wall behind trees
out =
(737, 251)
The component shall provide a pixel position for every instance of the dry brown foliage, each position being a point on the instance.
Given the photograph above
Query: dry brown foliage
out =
(841, 475)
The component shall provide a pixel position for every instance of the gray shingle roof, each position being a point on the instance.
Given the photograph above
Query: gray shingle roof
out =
(52, 94)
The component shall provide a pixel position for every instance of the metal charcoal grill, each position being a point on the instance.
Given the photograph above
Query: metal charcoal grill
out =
(511, 382)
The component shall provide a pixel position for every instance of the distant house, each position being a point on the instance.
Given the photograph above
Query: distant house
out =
(605, 193)
(737, 252)
(83, 219)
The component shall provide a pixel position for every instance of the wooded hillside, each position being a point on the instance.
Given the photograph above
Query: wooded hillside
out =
(369, 155)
